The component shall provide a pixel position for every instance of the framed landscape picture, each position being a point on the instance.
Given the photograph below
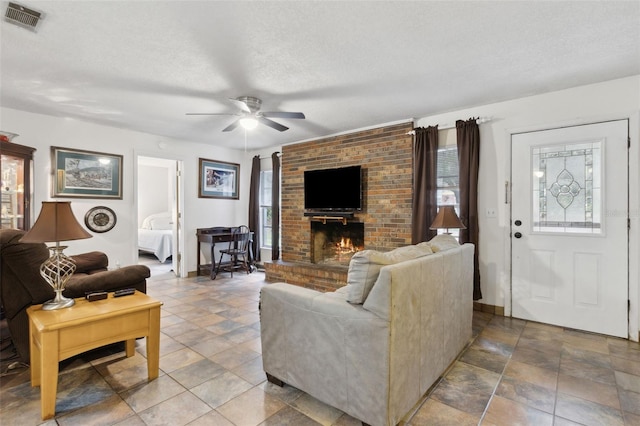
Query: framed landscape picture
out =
(219, 179)
(86, 174)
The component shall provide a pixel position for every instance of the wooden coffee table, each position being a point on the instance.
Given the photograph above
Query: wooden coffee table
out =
(60, 334)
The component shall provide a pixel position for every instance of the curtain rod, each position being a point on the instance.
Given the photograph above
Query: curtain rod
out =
(481, 120)
(266, 158)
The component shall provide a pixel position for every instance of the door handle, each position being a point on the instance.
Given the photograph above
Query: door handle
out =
(517, 235)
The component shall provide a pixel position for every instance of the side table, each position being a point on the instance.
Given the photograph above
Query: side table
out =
(63, 333)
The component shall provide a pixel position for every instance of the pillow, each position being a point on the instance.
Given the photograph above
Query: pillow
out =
(425, 246)
(341, 294)
(365, 266)
(406, 253)
(443, 242)
(161, 222)
(157, 221)
(145, 223)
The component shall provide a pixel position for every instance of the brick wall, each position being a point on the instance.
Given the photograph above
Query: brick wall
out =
(385, 155)
(321, 278)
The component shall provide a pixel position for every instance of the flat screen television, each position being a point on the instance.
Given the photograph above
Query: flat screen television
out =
(333, 189)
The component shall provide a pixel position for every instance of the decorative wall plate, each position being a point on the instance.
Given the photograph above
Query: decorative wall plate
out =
(100, 219)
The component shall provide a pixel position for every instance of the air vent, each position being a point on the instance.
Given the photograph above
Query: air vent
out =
(22, 16)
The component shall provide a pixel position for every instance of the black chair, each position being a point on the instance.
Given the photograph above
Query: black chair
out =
(238, 251)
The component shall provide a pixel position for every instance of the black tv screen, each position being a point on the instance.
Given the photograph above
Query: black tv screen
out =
(333, 189)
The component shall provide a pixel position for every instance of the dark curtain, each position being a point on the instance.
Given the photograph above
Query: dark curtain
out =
(254, 207)
(468, 135)
(425, 207)
(275, 207)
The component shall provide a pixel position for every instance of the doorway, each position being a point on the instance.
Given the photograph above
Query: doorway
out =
(569, 227)
(159, 216)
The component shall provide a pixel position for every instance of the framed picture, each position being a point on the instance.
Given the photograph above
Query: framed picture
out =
(86, 174)
(218, 179)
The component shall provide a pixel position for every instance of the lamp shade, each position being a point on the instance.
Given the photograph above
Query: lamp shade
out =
(55, 223)
(447, 218)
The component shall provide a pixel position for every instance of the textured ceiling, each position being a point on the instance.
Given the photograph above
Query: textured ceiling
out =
(142, 65)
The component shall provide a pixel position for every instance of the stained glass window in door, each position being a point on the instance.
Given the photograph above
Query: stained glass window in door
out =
(567, 188)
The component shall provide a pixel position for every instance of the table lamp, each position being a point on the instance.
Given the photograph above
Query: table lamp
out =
(447, 219)
(56, 223)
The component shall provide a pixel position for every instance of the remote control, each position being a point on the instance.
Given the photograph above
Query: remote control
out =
(124, 292)
(92, 296)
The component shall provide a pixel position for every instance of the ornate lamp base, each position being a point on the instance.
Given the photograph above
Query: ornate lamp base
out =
(58, 302)
(56, 270)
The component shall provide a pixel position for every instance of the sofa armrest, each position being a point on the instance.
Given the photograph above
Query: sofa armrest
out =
(282, 293)
(90, 262)
(133, 276)
(327, 347)
(313, 301)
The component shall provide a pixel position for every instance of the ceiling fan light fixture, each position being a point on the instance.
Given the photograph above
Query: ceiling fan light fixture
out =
(250, 115)
(249, 123)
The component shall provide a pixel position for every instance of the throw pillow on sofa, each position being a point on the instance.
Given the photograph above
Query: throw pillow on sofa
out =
(443, 242)
(365, 266)
(425, 246)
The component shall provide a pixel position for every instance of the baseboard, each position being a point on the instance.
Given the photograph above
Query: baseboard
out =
(490, 309)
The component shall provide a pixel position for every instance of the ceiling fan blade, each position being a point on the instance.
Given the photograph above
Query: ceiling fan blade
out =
(209, 113)
(281, 114)
(231, 126)
(272, 124)
(240, 104)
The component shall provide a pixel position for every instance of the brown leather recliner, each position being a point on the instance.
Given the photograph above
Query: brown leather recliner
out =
(21, 284)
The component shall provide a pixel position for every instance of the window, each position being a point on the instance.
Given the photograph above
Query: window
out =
(448, 181)
(567, 188)
(266, 177)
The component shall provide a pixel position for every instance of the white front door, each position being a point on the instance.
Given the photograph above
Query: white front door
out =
(569, 232)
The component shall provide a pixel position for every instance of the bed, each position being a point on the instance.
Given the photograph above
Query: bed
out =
(156, 236)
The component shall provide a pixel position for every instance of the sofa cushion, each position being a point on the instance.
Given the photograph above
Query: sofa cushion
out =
(91, 262)
(425, 246)
(342, 293)
(365, 266)
(443, 242)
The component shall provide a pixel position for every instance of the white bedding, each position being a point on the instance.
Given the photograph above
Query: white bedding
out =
(155, 235)
(156, 241)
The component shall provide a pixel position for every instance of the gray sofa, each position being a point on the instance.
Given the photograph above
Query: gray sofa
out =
(373, 352)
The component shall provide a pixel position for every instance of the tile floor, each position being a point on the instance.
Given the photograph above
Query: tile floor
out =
(514, 373)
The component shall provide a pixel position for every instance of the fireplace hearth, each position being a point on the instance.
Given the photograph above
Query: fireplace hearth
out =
(333, 243)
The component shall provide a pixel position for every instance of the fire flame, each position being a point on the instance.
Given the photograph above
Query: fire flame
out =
(345, 245)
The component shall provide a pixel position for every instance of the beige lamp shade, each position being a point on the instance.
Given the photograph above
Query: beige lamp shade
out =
(447, 219)
(55, 223)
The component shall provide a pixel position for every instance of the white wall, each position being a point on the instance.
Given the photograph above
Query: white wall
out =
(609, 100)
(42, 132)
(154, 191)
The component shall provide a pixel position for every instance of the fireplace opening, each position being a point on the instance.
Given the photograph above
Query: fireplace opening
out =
(333, 243)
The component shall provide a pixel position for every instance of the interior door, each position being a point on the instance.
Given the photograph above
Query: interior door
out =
(569, 232)
(176, 259)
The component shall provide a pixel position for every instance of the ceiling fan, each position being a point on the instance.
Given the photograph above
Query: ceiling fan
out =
(250, 115)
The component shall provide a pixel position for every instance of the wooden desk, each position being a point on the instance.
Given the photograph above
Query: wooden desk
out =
(212, 236)
(63, 333)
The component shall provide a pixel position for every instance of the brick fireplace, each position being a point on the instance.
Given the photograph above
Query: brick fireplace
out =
(385, 154)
